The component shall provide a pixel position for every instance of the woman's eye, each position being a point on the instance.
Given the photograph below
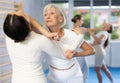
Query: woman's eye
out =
(52, 13)
(45, 14)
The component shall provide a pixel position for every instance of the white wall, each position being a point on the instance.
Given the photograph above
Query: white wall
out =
(115, 54)
(33, 8)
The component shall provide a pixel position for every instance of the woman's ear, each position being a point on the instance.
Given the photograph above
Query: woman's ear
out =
(78, 21)
(30, 27)
(61, 19)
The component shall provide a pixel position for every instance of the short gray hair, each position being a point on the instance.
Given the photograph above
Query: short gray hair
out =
(60, 11)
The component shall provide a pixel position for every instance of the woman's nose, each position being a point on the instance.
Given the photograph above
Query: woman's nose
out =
(48, 16)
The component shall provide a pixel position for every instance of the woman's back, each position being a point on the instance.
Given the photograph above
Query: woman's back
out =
(26, 58)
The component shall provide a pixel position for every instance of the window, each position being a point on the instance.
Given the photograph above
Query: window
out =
(95, 13)
(115, 14)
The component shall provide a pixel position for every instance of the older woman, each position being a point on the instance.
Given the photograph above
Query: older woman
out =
(101, 40)
(67, 70)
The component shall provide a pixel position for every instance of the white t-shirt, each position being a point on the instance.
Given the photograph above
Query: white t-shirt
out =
(26, 57)
(72, 75)
(68, 41)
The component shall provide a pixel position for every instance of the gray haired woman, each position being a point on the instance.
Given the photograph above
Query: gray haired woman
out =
(67, 70)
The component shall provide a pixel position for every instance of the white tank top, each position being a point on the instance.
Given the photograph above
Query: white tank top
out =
(105, 38)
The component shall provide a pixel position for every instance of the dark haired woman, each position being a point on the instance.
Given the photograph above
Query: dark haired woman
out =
(78, 21)
(101, 40)
(25, 48)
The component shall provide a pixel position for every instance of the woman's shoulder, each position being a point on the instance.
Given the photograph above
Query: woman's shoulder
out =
(105, 32)
(71, 35)
(36, 38)
(37, 35)
(69, 31)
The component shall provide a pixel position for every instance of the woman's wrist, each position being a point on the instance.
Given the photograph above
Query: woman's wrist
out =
(75, 54)
(53, 36)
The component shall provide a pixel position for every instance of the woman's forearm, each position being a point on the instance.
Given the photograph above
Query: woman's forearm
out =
(87, 50)
(84, 53)
(95, 29)
(38, 27)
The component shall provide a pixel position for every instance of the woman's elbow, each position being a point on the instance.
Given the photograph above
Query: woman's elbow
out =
(92, 51)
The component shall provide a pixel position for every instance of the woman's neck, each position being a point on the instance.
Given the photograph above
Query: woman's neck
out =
(59, 30)
(76, 26)
(103, 29)
(54, 29)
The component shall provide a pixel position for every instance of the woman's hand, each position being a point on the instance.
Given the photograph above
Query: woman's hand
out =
(77, 31)
(20, 7)
(90, 32)
(70, 53)
(105, 24)
(53, 36)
